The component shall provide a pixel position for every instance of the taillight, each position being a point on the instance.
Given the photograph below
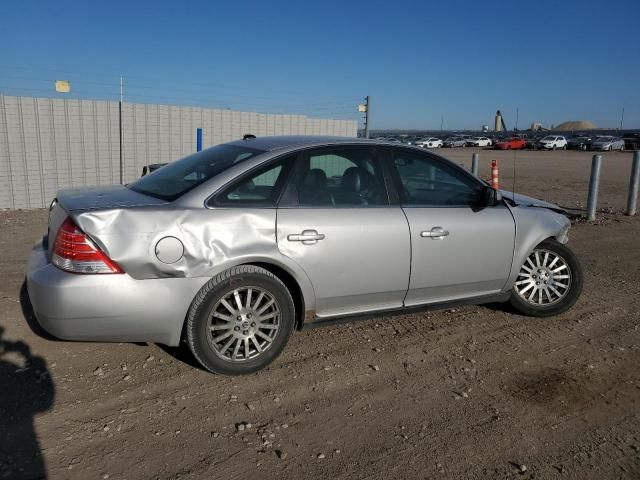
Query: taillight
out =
(74, 252)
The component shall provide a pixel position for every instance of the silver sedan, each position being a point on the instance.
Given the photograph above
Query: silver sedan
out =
(608, 143)
(234, 248)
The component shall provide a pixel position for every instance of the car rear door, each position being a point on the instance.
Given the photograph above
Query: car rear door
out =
(459, 248)
(335, 220)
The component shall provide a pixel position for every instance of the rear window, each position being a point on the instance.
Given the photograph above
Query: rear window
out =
(177, 178)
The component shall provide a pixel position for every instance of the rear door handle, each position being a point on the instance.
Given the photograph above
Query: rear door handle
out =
(307, 237)
(436, 232)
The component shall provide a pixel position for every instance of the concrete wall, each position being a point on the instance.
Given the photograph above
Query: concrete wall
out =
(48, 143)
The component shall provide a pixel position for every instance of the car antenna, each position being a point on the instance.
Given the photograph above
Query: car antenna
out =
(248, 136)
(515, 157)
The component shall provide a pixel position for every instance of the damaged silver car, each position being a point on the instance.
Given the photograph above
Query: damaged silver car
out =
(234, 248)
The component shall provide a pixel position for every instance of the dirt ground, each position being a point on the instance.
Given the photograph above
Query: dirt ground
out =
(471, 392)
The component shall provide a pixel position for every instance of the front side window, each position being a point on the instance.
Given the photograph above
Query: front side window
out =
(174, 180)
(428, 181)
(341, 177)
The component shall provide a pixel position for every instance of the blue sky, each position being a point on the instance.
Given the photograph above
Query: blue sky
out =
(419, 61)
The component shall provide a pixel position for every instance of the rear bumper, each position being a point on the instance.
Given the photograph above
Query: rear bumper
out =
(114, 308)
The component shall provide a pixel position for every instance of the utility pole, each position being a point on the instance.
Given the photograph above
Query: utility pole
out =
(622, 118)
(441, 122)
(120, 123)
(366, 108)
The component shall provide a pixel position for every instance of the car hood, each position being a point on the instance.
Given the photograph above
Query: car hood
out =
(103, 197)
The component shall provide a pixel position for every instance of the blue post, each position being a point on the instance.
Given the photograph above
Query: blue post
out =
(198, 140)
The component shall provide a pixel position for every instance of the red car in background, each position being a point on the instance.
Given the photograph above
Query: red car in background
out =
(512, 143)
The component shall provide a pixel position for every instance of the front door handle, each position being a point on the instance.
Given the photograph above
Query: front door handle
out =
(307, 237)
(436, 232)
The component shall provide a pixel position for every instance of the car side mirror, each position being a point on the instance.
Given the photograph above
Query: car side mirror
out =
(493, 197)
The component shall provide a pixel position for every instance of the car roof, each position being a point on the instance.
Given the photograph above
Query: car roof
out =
(278, 142)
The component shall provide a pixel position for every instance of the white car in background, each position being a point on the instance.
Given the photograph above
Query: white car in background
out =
(430, 142)
(553, 142)
(480, 142)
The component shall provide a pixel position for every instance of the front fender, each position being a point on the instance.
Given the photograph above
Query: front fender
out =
(533, 226)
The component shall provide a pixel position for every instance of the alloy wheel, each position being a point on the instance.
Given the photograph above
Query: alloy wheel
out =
(243, 324)
(544, 279)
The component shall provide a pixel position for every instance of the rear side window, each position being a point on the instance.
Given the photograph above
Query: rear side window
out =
(260, 188)
(177, 178)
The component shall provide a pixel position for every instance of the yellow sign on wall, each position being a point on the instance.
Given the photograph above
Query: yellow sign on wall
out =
(63, 86)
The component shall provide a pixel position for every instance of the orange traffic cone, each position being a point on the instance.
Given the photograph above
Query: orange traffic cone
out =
(494, 175)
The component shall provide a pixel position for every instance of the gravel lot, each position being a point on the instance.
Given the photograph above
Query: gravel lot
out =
(472, 392)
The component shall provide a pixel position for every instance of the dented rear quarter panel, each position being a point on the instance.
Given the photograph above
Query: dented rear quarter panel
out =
(214, 239)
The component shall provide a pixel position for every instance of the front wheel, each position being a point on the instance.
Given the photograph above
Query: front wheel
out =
(549, 281)
(240, 321)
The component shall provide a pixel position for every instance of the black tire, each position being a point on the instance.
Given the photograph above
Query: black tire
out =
(197, 329)
(570, 298)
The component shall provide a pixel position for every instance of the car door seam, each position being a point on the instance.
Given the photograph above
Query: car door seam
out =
(410, 256)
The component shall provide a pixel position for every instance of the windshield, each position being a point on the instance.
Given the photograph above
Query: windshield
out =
(604, 139)
(177, 178)
(548, 139)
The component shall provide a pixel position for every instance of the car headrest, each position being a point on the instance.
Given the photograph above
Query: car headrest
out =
(354, 179)
(315, 179)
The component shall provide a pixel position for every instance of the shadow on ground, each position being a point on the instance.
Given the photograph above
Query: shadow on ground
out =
(27, 390)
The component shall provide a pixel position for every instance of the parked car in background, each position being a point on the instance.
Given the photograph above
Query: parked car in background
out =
(608, 143)
(429, 142)
(553, 142)
(232, 249)
(511, 143)
(453, 142)
(579, 142)
(532, 142)
(479, 142)
(632, 141)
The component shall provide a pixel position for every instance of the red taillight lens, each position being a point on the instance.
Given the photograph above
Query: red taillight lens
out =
(74, 252)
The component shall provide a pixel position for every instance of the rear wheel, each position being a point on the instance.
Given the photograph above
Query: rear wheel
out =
(240, 321)
(549, 281)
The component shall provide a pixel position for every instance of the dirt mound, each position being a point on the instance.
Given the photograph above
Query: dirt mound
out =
(575, 125)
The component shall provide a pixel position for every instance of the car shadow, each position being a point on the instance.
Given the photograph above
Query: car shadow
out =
(27, 390)
(182, 354)
(30, 316)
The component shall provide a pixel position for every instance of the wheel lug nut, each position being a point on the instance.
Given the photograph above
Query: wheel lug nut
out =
(245, 332)
(237, 329)
(248, 315)
(238, 318)
(253, 324)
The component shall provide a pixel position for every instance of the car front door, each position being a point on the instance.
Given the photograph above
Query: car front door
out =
(460, 246)
(335, 220)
